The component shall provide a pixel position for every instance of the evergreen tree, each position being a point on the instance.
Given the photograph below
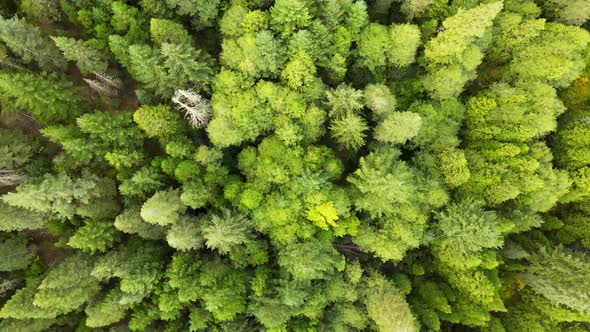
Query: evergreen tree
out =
(185, 234)
(16, 219)
(88, 60)
(16, 255)
(138, 265)
(559, 275)
(398, 127)
(387, 307)
(46, 97)
(27, 42)
(386, 188)
(464, 230)
(453, 55)
(93, 236)
(223, 232)
(16, 151)
(405, 39)
(539, 59)
(130, 221)
(310, 260)
(64, 197)
(164, 208)
(203, 13)
(68, 285)
(157, 120)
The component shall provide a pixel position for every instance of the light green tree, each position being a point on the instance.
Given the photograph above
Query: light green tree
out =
(163, 208)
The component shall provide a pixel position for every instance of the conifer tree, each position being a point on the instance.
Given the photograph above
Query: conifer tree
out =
(46, 97)
(539, 59)
(386, 188)
(16, 254)
(26, 41)
(130, 221)
(138, 265)
(163, 208)
(17, 219)
(88, 60)
(387, 307)
(559, 275)
(203, 13)
(463, 231)
(64, 197)
(94, 236)
(223, 232)
(16, 151)
(453, 55)
(68, 285)
(185, 234)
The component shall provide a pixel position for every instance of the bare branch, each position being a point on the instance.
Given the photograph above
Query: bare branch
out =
(196, 108)
(104, 84)
(11, 177)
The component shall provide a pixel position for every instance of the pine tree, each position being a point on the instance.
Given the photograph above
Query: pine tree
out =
(405, 39)
(387, 188)
(453, 55)
(513, 114)
(64, 197)
(349, 131)
(94, 236)
(47, 98)
(398, 127)
(539, 59)
(104, 84)
(159, 120)
(168, 32)
(88, 60)
(373, 47)
(138, 265)
(163, 208)
(16, 254)
(17, 219)
(26, 41)
(226, 230)
(109, 309)
(130, 221)
(16, 150)
(464, 230)
(68, 285)
(560, 276)
(216, 283)
(312, 259)
(379, 99)
(289, 15)
(387, 307)
(203, 13)
(185, 234)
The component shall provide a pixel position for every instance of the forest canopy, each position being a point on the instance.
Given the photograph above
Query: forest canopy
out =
(295, 165)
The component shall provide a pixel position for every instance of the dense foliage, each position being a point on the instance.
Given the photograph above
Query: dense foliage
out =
(295, 165)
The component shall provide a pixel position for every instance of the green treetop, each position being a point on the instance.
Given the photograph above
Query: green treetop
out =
(26, 41)
(88, 60)
(47, 98)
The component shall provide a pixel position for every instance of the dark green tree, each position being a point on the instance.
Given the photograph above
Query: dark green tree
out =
(27, 42)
